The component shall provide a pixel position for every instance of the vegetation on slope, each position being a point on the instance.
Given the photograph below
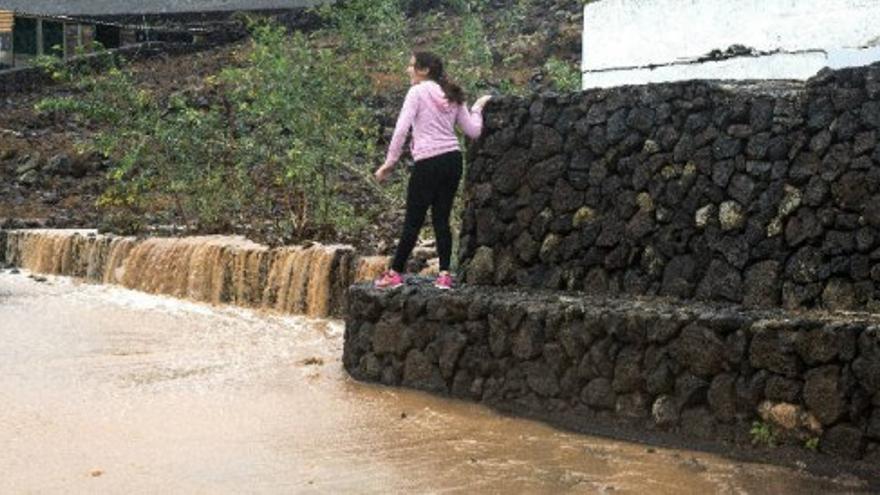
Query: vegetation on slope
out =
(280, 144)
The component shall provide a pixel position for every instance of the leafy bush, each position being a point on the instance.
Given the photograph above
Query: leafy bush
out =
(513, 17)
(301, 120)
(564, 76)
(87, 59)
(271, 143)
(467, 54)
(372, 34)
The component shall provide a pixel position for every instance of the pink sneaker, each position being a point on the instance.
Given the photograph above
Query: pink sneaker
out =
(388, 280)
(444, 281)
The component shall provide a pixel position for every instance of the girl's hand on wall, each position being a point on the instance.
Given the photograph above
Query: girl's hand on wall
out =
(383, 173)
(481, 102)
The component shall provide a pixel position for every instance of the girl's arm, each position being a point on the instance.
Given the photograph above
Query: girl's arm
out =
(471, 122)
(404, 123)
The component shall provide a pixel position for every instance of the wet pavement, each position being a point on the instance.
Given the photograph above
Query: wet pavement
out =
(106, 390)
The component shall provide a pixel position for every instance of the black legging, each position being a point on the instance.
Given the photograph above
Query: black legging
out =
(433, 184)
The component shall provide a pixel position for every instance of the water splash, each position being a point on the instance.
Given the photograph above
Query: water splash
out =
(310, 280)
(370, 267)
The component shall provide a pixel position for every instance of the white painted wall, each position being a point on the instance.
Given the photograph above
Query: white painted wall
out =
(622, 37)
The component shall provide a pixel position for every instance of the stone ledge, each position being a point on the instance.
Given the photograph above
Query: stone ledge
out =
(703, 372)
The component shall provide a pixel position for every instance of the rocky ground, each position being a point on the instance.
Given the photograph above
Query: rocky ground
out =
(45, 179)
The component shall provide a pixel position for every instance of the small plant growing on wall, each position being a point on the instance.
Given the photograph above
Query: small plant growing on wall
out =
(812, 443)
(564, 76)
(762, 434)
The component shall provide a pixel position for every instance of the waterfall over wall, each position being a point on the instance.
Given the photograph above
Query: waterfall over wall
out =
(311, 280)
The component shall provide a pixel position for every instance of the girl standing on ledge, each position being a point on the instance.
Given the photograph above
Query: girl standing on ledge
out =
(433, 106)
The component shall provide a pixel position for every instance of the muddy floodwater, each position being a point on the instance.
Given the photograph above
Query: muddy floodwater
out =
(106, 390)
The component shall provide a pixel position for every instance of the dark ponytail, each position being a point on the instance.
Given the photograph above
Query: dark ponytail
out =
(434, 65)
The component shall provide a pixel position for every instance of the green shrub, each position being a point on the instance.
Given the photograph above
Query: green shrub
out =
(564, 76)
(812, 443)
(271, 143)
(372, 34)
(467, 54)
(304, 122)
(763, 434)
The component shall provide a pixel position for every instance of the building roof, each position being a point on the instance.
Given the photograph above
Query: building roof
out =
(28, 13)
(123, 7)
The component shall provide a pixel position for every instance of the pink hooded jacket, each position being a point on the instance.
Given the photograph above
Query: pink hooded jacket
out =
(432, 118)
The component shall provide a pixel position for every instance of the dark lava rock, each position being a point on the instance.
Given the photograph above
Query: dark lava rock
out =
(721, 281)
(451, 346)
(838, 295)
(773, 350)
(783, 389)
(370, 367)
(726, 147)
(843, 440)
(679, 276)
(762, 285)
(632, 406)
(867, 366)
(481, 269)
(698, 422)
(628, 371)
(546, 142)
(599, 394)
(528, 340)
(499, 339)
(665, 411)
(661, 379)
(59, 164)
(690, 390)
(722, 397)
(871, 113)
(542, 380)
(823, 394)
(699, 350)
(874, 425)
(419, 373)
(386, 335)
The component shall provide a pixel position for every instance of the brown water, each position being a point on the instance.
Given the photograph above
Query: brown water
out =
(371, 267)
(214, 269)
(106, 390)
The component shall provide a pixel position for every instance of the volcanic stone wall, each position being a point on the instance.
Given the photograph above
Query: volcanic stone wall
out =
(763, 194)
(693, 371)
